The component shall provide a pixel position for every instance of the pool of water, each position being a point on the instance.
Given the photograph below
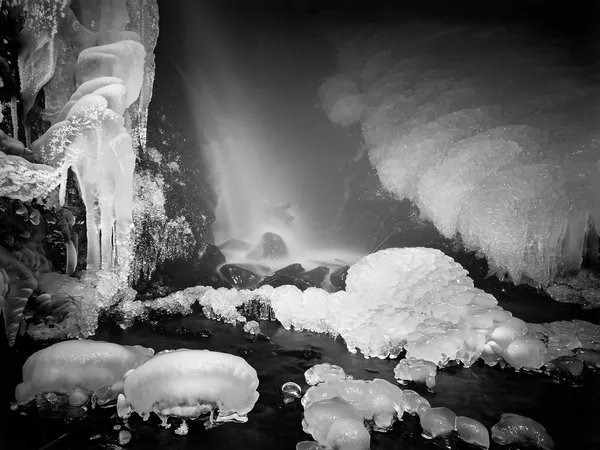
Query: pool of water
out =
(570, 414)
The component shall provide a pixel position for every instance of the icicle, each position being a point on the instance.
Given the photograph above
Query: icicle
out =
(62, 192)
(15, 118)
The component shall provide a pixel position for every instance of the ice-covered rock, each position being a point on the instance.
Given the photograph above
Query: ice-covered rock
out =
(77, 369)
(190, 383)
(514, 429)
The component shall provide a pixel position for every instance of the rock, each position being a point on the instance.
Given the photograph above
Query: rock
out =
(293, 270)
(285, 280)
(182, 273)
(306, 354)
(316, 275)
(17, 283)
(239, 277)
(565, 366)
(260, 269)
(271, 246)
(590, 357)
(338, 278)
(235, 245)
(583, 288)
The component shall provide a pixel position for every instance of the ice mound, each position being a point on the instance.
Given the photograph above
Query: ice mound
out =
(411, 369)
(77, 368)
(324, 372)
(438, 422)
(339, 413)
(335, 423)
(378, 401)
(473, 432)
(413, 298)
(514, 429)
(498, 147)
(191, 383)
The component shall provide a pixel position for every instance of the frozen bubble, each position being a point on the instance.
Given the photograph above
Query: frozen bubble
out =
(291, 391)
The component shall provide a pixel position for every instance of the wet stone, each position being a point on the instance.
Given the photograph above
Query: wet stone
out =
(239, 277)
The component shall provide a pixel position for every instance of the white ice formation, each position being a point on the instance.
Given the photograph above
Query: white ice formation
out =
(339, 413)
(191, 383)
(417, 299)
(95, 63)
(488, 134)
(77, 369)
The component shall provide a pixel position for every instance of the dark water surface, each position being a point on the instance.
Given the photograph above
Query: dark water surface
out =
(570, 414)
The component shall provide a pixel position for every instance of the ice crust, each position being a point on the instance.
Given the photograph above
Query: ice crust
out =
(497, 146)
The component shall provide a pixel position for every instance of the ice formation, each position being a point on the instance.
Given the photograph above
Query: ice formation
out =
(77, 369)
(191, 383)
(105, 61)
(23, 180)
(90, 137)
(417, 299)
(414, 403)
(37, 59)
(341, 410)
(498, 146)
(473, 432)
(437, 422)
(335, 423)
(321, 373)
(411, 369)
(378, 401)
(514, 429)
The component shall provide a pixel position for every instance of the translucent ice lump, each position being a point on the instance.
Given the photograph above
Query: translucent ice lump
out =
(336, 424)
(378, 400)
(514, 429)
(473, 432)
(437, 422)
(191, 383)
(321, 373)
(499, 147)
(411, 369)
(77, 368)
(338, 410)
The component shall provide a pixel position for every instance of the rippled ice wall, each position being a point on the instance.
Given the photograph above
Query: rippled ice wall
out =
(494, 138)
